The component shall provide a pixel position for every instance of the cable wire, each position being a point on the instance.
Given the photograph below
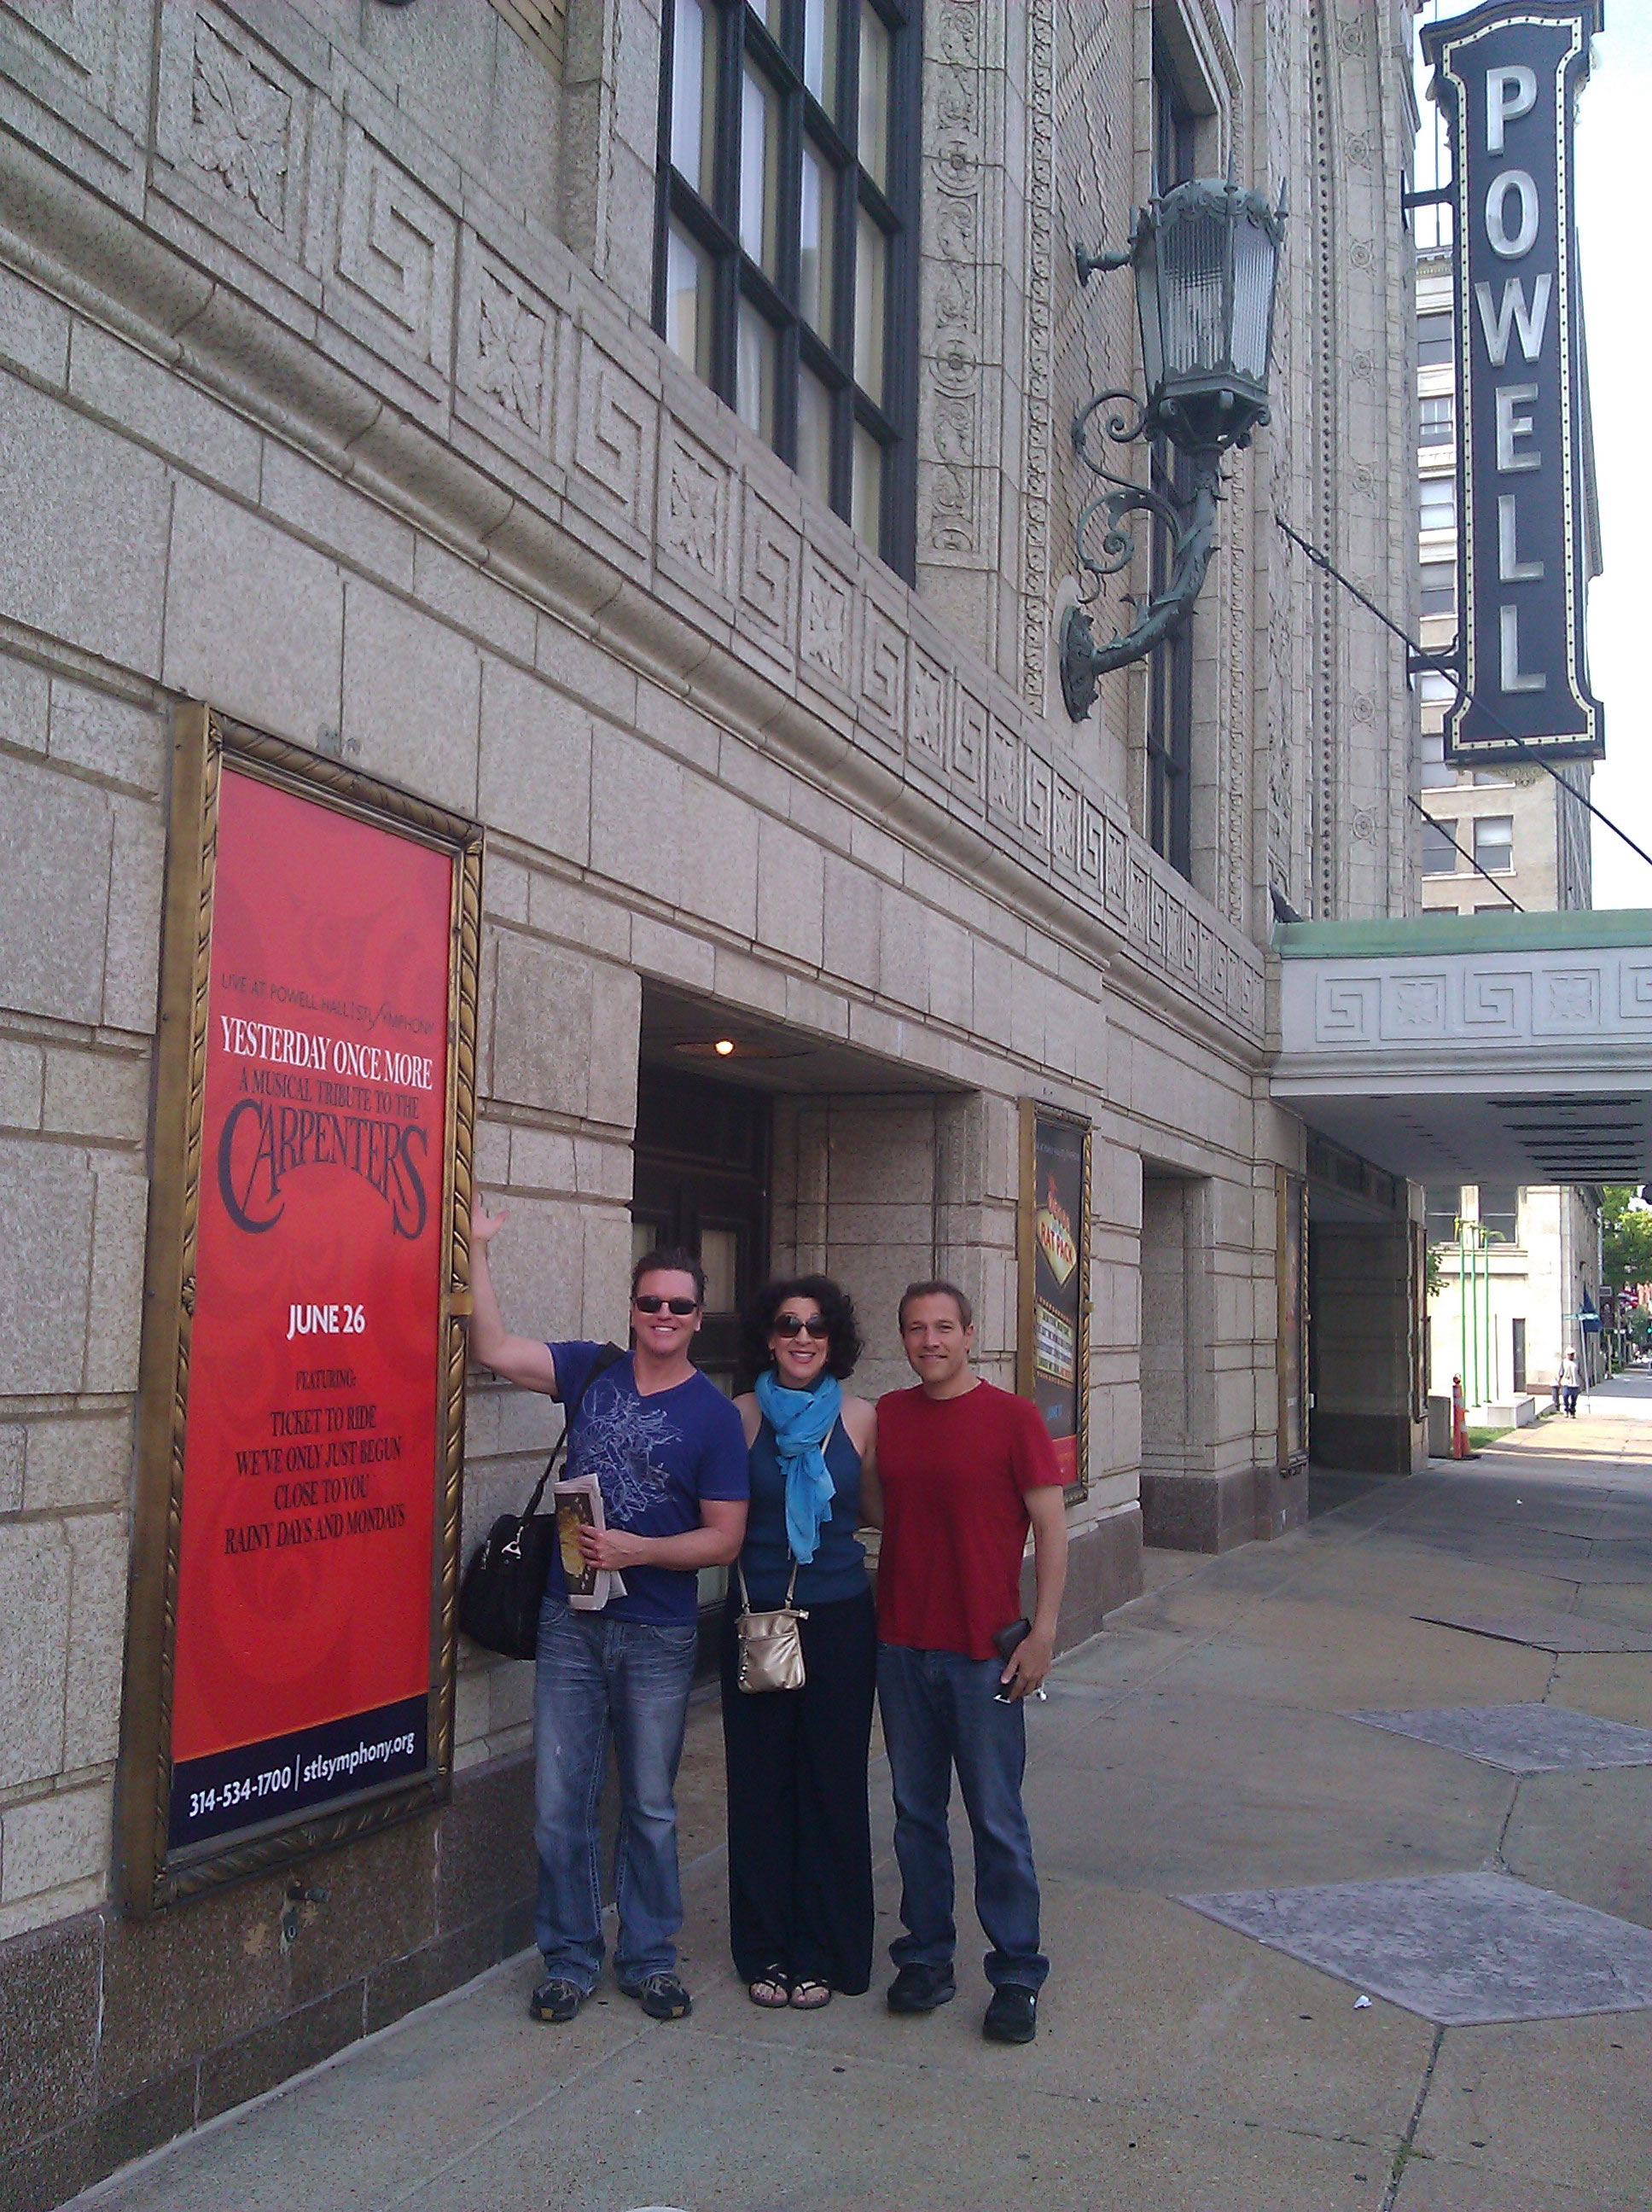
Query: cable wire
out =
(1500, 889)
(1445, 663)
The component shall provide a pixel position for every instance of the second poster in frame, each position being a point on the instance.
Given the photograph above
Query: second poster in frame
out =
(1053, 1364)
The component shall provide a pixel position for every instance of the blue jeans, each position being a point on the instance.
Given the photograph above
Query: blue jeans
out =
(940, 1711)
(596, 1680)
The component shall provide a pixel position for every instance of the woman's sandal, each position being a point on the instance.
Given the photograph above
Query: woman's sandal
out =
(809, 1996)
(772, 1990)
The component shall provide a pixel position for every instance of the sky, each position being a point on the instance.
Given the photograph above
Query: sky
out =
(1612, 170)
(1611, 118)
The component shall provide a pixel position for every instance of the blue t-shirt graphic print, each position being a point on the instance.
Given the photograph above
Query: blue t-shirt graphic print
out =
(654, 1459)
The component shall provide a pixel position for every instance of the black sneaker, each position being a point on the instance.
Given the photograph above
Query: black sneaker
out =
(556, 2001)
(920, 1989)
(1012, 2015)
(662, 1997)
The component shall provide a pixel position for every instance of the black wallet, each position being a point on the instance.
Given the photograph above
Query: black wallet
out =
(1006, 1639)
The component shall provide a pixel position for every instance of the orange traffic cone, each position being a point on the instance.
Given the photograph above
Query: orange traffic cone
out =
(1459, 1420)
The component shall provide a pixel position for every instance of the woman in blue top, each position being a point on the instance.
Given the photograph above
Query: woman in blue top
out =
(801, 1910)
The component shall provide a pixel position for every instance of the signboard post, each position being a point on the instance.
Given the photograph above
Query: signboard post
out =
(1052, 1362)
(291, 1637)
(1507, 78)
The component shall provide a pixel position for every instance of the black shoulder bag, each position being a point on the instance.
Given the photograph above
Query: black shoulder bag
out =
(504, 1583)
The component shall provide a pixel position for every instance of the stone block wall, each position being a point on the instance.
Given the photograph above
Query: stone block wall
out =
(366, 440)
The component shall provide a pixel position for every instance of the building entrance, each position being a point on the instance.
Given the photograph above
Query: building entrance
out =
(701, 1180)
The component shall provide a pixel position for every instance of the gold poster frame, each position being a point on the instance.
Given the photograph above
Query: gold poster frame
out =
(1033, 1110)
(203, 741)
(1290, 1249)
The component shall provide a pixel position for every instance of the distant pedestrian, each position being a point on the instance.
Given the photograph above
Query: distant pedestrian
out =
(799, 1834)
(1571, 1381)
(964, 1469)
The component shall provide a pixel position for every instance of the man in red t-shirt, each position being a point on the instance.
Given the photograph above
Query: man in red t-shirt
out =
(965, 1469)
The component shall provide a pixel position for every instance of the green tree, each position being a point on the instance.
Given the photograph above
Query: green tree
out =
(1626, 1237)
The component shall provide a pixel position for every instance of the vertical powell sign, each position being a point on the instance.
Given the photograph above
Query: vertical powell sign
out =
(289, 1671)
(1507, 79)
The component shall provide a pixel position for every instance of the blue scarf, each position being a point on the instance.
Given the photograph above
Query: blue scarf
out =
(802, 1420)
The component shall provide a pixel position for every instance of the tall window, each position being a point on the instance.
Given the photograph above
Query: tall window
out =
(1494, 843)
(1437, 503)
(786, 270)
(1434, 348)
(1170, 666)
(1437, 420)
(1439, 592)
(1439, 849)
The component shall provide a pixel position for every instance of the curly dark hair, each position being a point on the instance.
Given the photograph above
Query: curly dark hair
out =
(844, 1343)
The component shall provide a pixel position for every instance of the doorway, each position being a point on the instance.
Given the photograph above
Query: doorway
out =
(701, 1180)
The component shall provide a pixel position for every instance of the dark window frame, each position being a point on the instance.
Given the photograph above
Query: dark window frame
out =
(743, 38)
(1169, 732)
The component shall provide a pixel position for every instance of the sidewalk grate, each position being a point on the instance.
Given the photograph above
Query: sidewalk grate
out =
(1457, 1949)
(1527, 1739)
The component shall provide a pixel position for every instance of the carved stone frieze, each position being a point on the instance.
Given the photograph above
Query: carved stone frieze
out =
(1035, 489)
(396, 248)
(958, 514)
(241, 126)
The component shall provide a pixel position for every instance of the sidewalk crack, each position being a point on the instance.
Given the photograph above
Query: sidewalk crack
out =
(1407, 2149)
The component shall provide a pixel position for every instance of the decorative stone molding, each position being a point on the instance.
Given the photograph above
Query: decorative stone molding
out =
(957, 448)
(242, 123)
(1036, 350)
(593, 463)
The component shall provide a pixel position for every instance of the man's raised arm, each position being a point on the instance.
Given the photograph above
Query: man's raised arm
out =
(520, 1359)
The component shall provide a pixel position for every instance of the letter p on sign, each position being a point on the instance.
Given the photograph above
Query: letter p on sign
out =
(1510, 92)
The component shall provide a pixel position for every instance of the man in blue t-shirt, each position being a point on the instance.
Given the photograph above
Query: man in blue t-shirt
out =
(668, 1452)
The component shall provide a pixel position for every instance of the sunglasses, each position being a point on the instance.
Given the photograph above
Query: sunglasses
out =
(816, 1325)
(650, 1302)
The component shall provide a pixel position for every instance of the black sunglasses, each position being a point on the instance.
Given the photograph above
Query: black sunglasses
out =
(650, 1302)
(816, 1325)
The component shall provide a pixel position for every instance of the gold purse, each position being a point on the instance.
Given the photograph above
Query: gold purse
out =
(770, 1644)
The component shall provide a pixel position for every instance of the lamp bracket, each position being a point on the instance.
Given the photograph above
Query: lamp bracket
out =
(1093, 264)
(1190, 526)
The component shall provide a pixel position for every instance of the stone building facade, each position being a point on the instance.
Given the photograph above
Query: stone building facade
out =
(334, 391)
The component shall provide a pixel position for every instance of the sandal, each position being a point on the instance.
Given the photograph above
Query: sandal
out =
(810, 1996)
(772, 1990)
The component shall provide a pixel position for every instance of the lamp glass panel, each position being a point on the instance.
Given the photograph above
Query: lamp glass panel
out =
(1152, 348)
(1254, 257)
(1192, 266)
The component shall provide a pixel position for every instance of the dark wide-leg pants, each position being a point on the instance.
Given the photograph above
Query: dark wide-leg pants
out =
(800, 1837)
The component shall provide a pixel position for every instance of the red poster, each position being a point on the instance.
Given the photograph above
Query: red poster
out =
(305, 1554)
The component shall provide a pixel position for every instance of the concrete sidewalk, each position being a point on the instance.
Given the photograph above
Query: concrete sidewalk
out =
(1201, 1745)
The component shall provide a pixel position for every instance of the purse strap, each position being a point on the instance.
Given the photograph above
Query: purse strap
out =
(746, 1595)
(604, 1359)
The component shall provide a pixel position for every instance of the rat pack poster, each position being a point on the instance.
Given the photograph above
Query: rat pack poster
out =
(302, 1660)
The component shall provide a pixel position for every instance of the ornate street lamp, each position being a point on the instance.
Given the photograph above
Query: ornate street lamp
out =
(1206, 257)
